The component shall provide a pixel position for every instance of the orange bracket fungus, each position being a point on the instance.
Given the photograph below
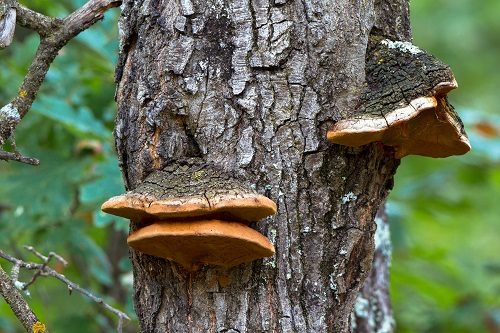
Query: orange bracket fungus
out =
(404, 104)
(191, 243)
(194, 215)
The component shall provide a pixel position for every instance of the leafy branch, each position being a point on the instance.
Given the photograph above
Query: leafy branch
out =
(17, 303)
(54, 34)
(10, 287)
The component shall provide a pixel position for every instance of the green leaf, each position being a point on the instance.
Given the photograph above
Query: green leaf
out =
(79, 121)
(107, 184)
(47, 190)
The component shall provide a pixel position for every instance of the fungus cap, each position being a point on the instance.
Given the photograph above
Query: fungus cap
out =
(190, 191)
(404, 104)
(246, 208)
(195, 243)
(428, 126)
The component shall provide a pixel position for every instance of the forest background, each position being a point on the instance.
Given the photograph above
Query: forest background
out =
(444, 214)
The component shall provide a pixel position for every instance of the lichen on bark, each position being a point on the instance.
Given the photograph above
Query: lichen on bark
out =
(9, 118)
(397, 73)
(7, 24)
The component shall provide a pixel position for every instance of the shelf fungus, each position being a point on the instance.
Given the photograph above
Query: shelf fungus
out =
(195, 215)
(192, 243)
(404, 104)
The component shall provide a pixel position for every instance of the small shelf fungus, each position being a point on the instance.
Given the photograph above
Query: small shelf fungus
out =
(194, 214)
(404, 104)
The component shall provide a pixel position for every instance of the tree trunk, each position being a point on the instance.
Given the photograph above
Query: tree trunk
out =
(251, 87)
(372, 310)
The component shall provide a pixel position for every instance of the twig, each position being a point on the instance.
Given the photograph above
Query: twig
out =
(54, 34)
(17, 303)
(33, 20)
(45, 270)
(6, 156)
(46, 260)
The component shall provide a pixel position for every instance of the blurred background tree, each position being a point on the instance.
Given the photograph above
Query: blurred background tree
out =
(444, 213)
(55, 206)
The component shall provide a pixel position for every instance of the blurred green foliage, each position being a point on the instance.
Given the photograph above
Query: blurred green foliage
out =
(55, 207)
(445, 214)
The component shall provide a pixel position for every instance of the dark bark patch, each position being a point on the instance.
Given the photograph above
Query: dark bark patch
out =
(218, 46)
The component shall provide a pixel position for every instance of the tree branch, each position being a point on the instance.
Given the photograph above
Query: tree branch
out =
(46, 261)
(45, 55)
(54, 34)
(33, 20)
(87, 15)
(6, 156)
(18, 305)
(47, 258)
(44, 270)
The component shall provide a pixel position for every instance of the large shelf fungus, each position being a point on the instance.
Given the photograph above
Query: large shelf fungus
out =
(404, 104)
(194, 214)
(193, 243)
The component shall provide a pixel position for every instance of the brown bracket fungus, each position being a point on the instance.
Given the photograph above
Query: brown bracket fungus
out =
(191, 243)
(194, 215)
(404, 104)
(187, 191)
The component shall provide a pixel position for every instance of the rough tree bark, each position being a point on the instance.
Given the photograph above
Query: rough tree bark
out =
(373, 310)
(251, 86)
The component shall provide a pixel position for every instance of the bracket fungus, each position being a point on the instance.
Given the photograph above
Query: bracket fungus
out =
(186, 191)
(191, 243)
(404, 104)
(194, 215)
